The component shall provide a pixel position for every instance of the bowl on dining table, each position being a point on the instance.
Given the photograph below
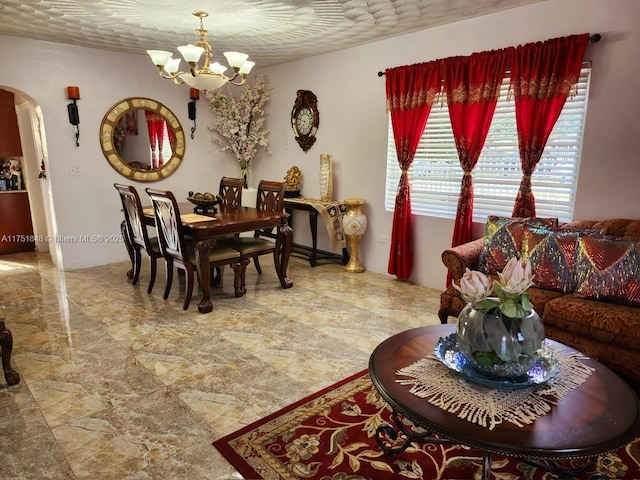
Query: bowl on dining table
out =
(202, 199)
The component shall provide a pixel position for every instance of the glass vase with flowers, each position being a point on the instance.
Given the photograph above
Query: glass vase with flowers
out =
(500, 335)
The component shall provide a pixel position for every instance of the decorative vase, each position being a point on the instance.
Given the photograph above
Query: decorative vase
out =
(498, 345)
(246, 175)
(354, 223)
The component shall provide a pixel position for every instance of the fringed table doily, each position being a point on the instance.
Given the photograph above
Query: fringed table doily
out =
(489, 407)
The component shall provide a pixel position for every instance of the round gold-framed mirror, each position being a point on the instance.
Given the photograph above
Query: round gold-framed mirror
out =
(142, 139)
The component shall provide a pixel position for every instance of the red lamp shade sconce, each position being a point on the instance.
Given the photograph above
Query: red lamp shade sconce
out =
(73, 93)
(194, 94)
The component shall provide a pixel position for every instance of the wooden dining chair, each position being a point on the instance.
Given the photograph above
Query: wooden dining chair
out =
(136, 231)
(230, 194)
(229, 197)
(270, 198)
(179, 252)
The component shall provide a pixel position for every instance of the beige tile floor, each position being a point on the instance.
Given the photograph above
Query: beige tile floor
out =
(119, 384)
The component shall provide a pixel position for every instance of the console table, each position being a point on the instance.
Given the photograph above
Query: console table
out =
(312, 253)
(599, 416)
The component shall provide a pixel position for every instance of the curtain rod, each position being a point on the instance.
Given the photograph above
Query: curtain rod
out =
(595, 38)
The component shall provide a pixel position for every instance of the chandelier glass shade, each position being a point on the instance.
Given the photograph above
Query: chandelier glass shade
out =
(209, 76)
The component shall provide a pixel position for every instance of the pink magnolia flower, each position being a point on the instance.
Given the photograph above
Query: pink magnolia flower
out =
(474, 286)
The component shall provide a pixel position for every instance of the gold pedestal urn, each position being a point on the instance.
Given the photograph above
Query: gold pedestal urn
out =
(354, 223)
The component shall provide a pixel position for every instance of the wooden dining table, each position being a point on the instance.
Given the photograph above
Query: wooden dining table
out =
(226, 222)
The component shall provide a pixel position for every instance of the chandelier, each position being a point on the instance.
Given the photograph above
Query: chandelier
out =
(209, 76)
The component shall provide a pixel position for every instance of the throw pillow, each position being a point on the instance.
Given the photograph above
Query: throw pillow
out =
(608, 269)
(503, 240)
(552, 256)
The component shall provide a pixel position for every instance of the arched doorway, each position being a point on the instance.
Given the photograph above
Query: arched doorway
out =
(34, 163)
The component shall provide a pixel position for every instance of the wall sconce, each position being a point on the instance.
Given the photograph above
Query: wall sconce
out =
(194, 94)
(73, 93)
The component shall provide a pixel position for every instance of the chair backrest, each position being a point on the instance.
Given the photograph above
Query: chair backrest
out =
(133, 215)
(230, 195)
(270, 196)
(168, 224)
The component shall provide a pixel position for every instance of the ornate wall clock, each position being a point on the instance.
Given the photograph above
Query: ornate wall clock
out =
(305, 119)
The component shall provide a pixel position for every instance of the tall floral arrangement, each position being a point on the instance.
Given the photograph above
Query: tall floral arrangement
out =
(239, 122)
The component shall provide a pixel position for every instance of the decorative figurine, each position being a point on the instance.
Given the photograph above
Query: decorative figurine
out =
(293, 180)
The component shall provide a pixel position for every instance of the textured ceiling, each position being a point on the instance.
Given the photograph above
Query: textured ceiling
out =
(270, 31)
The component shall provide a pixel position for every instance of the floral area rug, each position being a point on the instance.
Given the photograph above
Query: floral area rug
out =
(331, 436)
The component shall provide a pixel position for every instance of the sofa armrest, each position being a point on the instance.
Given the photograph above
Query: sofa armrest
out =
(459, 258)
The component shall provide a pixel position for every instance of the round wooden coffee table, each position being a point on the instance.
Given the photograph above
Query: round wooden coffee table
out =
(601, 415)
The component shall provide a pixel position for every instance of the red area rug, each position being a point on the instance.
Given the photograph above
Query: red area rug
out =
(331, 436)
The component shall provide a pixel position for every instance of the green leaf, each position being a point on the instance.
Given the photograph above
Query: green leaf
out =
(486, 359)
(510, 308)
(486, 304)
(498, 290)
(525, 300)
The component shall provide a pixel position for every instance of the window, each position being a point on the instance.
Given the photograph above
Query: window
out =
(435, 174)
(166, 152)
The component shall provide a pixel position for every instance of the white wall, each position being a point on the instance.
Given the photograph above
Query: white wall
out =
(353, 123)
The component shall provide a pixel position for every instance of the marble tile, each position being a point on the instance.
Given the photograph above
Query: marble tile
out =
(127, 438)
(28, 449)
(120, 384)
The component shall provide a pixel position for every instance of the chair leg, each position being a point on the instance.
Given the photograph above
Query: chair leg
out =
(239, 270)
(189, 292)
(128, 246)
(137, 264)
(257, 264)
(153, 263)
(167, 287)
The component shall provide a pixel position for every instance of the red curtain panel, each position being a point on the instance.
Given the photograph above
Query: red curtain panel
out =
(411, 90)
(155, 125)
(543, 75)
(472, 86)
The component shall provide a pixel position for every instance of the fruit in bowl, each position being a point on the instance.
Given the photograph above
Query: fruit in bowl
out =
(202, 199)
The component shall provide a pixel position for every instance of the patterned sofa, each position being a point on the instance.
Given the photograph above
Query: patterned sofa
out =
(588, 294)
